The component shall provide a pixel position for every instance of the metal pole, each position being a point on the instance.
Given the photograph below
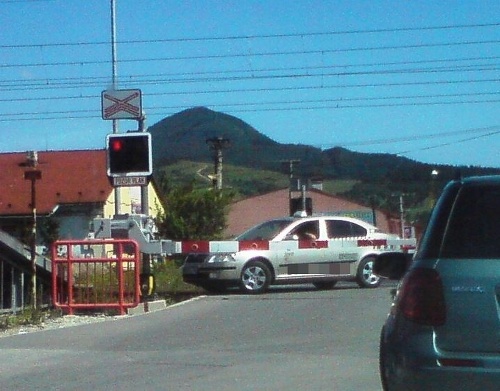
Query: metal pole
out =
(402, 211)
(33, 241)
(304, 198)
(113, 56)
(115, 86)
(2, 289)
(433, 197)
(291, 164)
(32, 174)
(13, 293)
(21, 286)
(144, 189)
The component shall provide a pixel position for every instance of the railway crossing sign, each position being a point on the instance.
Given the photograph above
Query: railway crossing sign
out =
(121, 104)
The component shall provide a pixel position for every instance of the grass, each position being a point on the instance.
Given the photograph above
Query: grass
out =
(339, 186)
(28, 316)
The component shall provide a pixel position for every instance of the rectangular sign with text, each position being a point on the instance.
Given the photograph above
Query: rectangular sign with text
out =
(130, 181)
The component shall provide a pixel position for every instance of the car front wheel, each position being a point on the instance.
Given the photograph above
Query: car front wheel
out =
(255, 277)
(365, 276)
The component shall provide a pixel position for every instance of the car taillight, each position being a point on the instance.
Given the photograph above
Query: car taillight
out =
(421, 297)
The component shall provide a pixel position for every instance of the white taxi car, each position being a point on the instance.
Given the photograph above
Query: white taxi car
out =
(319, 250)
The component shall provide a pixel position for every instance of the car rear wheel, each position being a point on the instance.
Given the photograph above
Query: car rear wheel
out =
(255, 277)
(365, 276)
(324, 285)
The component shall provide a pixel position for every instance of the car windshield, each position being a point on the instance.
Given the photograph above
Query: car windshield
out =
(265, 231)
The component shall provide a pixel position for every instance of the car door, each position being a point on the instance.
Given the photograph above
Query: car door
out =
(303, 251)
(343, 251)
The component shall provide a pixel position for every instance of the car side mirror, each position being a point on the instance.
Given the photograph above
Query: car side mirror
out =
(391, 265)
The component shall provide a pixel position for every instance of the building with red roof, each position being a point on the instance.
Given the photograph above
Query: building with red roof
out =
(71, 188)
(73, 184)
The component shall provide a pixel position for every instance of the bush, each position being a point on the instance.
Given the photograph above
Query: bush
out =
(195, 214)
(168, 278)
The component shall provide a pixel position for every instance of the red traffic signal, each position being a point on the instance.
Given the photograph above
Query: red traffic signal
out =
(116, 145)
(129, 154)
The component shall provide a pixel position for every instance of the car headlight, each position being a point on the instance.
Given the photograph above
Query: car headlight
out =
(219, 258)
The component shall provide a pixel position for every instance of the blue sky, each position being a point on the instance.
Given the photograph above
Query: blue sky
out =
(415, 78)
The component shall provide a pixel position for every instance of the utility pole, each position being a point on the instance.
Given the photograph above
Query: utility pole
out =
(402, 213)
(291, 163)
(433, 195)
(114, 76)
(33, 174)
(217, 144)
(114, 83)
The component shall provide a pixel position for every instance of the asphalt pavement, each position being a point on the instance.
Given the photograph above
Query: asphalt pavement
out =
(295, 338)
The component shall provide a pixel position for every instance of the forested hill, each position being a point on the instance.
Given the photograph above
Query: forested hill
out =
(183, 136)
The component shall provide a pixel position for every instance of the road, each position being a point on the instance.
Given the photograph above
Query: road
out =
(288, 339)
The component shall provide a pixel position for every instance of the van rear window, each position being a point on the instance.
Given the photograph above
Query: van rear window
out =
(473, 230)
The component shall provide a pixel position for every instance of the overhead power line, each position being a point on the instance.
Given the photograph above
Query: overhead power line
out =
(69, 115)
(237, 108)
(91, 82)
(267, 89)
(484, 132)
(255, 36)
(489, 134)
(239, 75)
(138, 78)
(257, 54)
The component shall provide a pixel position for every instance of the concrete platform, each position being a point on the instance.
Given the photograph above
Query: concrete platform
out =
(136, 310)
(156, 305)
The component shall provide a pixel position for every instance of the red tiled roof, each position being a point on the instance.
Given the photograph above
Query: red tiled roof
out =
(67, 177)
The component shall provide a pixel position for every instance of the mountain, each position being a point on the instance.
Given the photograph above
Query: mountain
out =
(183, 137)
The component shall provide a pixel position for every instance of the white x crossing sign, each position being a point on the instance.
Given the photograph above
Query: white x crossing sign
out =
(121, 104)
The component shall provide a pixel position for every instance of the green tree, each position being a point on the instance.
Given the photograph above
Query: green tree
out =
(195, 214)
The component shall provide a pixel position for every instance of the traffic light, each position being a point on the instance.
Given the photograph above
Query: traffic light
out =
(129, 154)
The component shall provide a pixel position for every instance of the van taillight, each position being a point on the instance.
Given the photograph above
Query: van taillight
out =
(421, 298)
